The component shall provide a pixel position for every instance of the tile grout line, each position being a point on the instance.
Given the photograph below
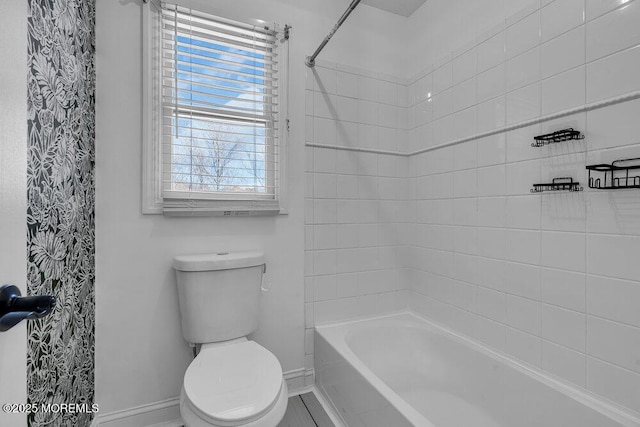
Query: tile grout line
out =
(586, 244)
(541, 162)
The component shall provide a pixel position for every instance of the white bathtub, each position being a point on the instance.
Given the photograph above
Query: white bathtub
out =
(401, 370)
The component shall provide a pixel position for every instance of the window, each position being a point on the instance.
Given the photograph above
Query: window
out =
(213, 119)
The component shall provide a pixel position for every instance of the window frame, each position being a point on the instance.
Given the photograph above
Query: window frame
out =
(201, 203)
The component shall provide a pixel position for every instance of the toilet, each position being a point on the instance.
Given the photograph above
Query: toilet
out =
(233, 381)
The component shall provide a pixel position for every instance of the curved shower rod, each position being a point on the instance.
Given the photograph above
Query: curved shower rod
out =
(311, 60)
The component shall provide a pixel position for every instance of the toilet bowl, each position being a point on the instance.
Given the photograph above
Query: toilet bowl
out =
(236, 383)
(233, 381)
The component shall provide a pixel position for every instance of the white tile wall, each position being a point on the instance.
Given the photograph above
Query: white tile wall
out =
(523, 35)
(560, 16)
(354, 199)
(524, 69)
(563, 53)
(563, 362)
(613, 75)
(551, 279)
(455, 233)
(614, 31)
(491, 52)
(597, 8)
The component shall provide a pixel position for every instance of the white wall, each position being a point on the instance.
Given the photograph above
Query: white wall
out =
(140, 354)
(13, 198)
(553, 278)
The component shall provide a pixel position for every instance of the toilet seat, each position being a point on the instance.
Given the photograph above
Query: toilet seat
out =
(233, 383)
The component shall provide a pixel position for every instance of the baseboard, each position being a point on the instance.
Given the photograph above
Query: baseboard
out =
(166, 413)
(299, 381)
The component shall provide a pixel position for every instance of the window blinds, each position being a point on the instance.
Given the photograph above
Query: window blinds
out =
(219, 107)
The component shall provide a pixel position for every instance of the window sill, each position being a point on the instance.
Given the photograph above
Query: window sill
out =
(218, 208)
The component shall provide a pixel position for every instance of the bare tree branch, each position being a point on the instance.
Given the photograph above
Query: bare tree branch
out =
(219, 160)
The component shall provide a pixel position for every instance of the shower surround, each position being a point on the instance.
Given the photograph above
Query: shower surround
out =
(356, 202)
(548, 279)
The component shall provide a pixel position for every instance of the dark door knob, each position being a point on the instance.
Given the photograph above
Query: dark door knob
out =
(14, 307)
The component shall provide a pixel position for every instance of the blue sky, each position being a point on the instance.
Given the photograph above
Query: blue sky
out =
(196, 57)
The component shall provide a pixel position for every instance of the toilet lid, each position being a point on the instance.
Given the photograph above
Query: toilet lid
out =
(233, 382)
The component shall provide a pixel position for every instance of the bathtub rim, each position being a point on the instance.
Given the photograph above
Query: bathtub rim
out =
(405, 409)
(328, 331)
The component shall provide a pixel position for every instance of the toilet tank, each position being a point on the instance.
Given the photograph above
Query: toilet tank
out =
(218, 295)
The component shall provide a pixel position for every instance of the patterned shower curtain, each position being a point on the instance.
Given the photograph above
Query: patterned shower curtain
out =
(60, 210)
